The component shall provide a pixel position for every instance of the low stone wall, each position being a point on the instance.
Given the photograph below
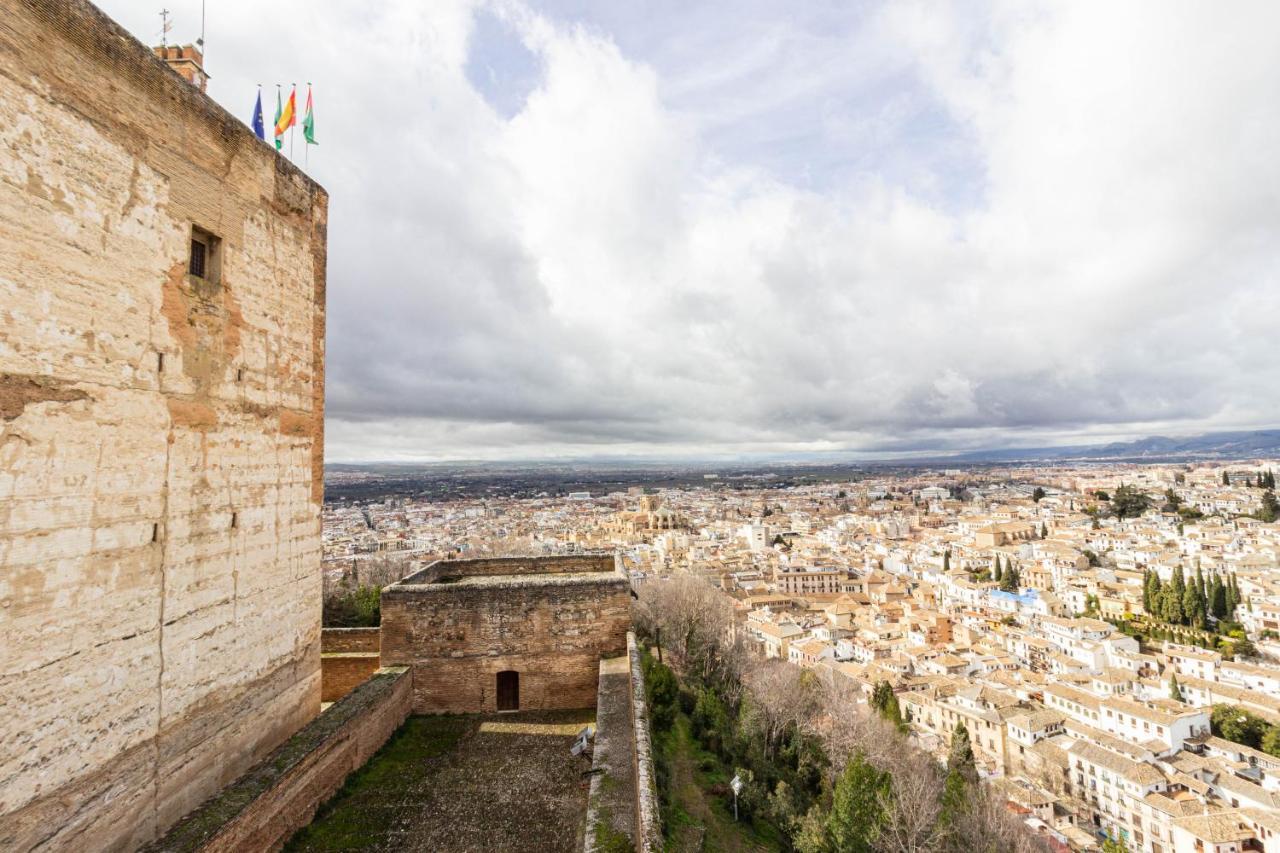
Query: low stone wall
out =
(262, 809)
(349, 640)
(611, 801)
(648, 820)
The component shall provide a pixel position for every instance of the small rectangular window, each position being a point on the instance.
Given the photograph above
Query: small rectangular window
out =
(196, 267)
(205, 261)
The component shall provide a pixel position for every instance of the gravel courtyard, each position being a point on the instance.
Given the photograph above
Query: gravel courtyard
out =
(463, 783)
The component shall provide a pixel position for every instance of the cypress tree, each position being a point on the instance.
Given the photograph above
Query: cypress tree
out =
(1177, 591)
(1189, 602)
(995, 573)
(1226, 480)
(1175, 692)
(960, 759)
(1217, 598)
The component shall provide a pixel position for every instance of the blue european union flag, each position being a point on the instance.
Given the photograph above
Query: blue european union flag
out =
(257, 118)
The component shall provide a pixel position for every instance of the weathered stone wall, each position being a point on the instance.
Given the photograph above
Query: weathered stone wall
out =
(160, 439)
(552, 629)
(280, 796)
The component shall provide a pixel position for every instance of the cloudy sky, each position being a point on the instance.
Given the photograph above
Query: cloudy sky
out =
(672, 228)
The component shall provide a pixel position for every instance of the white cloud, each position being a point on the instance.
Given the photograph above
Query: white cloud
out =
(912, 225)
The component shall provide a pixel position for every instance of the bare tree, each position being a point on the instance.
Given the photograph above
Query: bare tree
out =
(693, 621)
(782, 695)
(914, 804)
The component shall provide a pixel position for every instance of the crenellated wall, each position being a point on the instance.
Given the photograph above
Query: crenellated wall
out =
(161, 438)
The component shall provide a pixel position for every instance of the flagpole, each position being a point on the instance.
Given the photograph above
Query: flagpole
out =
(306, 147)
(293, 119)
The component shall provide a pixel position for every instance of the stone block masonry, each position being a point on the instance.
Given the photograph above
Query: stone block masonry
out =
(161, 441)
(534, 628)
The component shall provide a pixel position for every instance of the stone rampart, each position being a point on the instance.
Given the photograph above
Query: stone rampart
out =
(280, 796)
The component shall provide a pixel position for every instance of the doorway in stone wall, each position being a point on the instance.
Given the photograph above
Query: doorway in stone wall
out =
(508, 690)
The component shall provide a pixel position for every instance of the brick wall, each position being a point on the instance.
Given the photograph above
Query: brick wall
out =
(349, 640)
(161, 443)
(342, 672)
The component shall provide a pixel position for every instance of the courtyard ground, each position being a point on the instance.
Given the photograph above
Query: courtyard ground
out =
(453, 783)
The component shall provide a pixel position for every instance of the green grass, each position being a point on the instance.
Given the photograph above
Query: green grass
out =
(355, 817)
(695, 811)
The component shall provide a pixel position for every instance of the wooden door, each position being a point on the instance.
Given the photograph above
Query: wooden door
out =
(508, 690)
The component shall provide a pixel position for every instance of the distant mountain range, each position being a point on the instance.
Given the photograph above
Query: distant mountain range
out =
(1212, 445)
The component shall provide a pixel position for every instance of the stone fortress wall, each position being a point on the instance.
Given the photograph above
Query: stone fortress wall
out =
(550, 620)
(161, 443)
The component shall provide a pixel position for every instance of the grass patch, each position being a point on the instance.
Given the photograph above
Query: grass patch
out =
(356, 816)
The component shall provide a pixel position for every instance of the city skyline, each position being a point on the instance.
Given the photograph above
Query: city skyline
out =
(573, 230)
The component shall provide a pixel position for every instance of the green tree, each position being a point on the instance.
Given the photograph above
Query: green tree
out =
(1237, 725)
(1173, 611)
(1226, 479)
(1175, 691)
(1193, 605)
(996, 573)
(960, 757)
(1271, 741)
(1233, 596)
(1154, 598)
(1037, 495)
(1010, 579)
(885, 701)
(1217, 597)
(946, 561)
(858, 807)
(663, 690)
(1171, 501)
(1129, 502)
(1270, 507)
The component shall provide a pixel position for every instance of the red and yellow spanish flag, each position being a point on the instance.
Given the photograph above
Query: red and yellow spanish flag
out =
(288, 116)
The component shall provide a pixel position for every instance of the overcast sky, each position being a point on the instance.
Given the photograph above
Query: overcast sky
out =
(709, 228)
